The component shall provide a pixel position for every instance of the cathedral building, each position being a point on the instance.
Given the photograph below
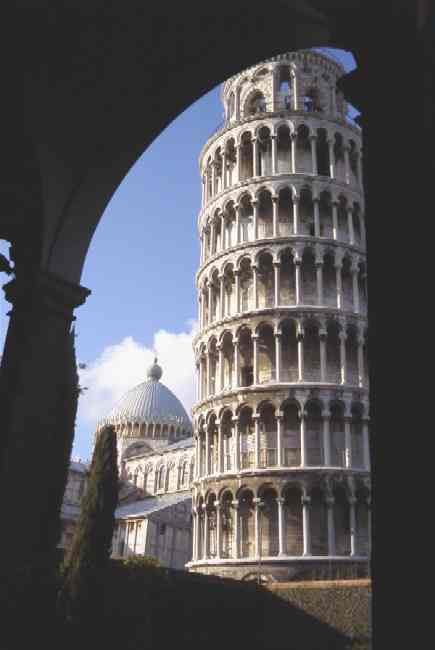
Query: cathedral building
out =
(282, 476)
(274, 476)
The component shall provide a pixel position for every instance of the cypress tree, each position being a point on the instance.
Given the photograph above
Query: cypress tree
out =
(91, 546)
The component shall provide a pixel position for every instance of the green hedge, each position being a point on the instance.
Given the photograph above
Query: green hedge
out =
(345, 608)
(146, 607)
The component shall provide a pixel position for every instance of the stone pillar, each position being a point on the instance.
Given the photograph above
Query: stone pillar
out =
(279, 439)
(346, 165)
(206, 533)
(220, 467)
(239, 163)
(208, 382)
(361, 378)
(213, 178)
(278, 356)
(331, 526)
(295, 215)
(255, 218)
(237, 289)
(352, 526)
(224, 170)
(212, 238)
(302, 416)
(280, 502)
(255, 157)
(223, 231)
(210, 303)
(254, 277)
(221, 367)
(38, 342)
(221, 296)
(255, 356)
(293, 153)
(326, 438)
(313, 140)
(334, 220)
(331, 159)
(236, 362)
(236, 535)
(274, 154)
(366, 444)
(276, 268)
(350, 226)
(322, 337)
(237, 209)
(275, 216)
(235, 420)
(207, 451)
(300, 338)
(363, 229)
(355, 289)
(195, 535)
(218, 530)
(316, 216)
(201, 396)
(319, 280)
(338, 266)
(257, 506)
(348, 441)
(297, 265)
(256, 419)
(342, 336)
(306, 500)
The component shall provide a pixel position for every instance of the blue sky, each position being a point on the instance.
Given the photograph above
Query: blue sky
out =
(141, 267)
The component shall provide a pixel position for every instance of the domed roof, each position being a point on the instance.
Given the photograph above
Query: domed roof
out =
(150, 401)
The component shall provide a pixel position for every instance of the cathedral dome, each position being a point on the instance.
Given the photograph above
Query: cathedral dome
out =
(150, 402)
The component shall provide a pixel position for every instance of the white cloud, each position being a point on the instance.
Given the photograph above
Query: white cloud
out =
(123, 365)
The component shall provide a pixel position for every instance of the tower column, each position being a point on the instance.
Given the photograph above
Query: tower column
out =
(297, 265)
(322, 338)
(221, 367)
(330, 501)
(355, 289)
(236, 535)
(316, 216)
(237, 287)
(295, 214)
(236, 362)
(275, 215)
(237, 209)
(220, 447)
(293, 153)
(319, 280)
(366, 444)
(217, 505)
(206, 533)
(236, 443)
(221, 296)
(331, 158)
(352, 526)
(338, 267)
(346, 164)
(334, 220)
(255, 218)
(223, 232)
(279, 417)
(300, 339)
(255, 156)
(257, 531)
(302, 416)
(342, 336)
(350, 225)
(224, 170)
(306, 501)
(278, 356)
(313, 141)
(254, 338)
(254, 277)
(256, 418)
(326, 438)
(361, 378)
(280, 502)
(274, 139)
(276, 269)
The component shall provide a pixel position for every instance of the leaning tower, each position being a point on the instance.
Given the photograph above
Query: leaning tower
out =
(282, 478)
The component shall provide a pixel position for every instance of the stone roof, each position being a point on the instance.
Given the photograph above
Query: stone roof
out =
(149, 402)
(148, 506)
